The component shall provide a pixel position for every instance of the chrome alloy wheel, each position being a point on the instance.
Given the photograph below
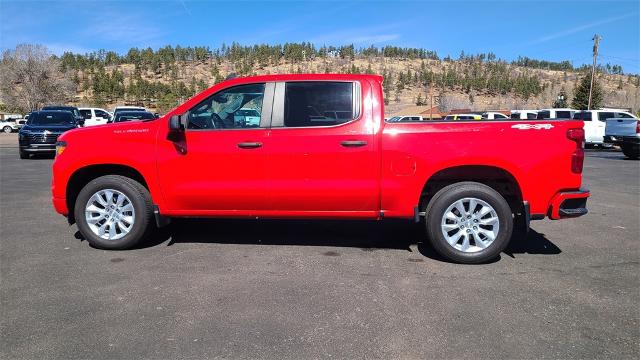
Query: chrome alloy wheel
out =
(110, 214)
(470, 225)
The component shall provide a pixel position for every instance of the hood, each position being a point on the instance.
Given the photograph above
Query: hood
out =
(50, 127)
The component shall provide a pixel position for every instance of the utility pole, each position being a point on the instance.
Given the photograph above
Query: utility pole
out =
(596, 43)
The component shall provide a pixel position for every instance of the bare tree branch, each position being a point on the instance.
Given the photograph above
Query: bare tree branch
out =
(30, 78)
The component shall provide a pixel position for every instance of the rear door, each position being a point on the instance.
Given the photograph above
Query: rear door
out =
(319, 163)
(87, 115)
(590, 126)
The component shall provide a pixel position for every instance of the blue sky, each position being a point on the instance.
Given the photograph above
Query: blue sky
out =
(550, 30)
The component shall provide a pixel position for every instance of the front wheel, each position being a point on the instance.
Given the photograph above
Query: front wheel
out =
(469, 222)
(114, 212)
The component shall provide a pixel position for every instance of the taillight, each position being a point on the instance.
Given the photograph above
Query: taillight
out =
(577, 158)
(638, 127)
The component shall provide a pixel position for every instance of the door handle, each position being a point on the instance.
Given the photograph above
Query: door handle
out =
(353, 143)
(249, 145)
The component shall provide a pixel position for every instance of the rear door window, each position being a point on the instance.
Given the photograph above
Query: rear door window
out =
(544, 115)
(603, 116)
(563, 114)
(582, 115)
(319, 103)
(86, 114)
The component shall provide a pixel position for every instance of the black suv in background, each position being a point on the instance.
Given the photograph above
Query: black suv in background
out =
(40, 134)
(72, 109)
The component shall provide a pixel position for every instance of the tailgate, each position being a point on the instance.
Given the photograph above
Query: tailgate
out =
(621, 127)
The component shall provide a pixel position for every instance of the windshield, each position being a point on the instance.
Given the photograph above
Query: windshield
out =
(75, 111)
(130, 116)
(51, 118)
(395, 118)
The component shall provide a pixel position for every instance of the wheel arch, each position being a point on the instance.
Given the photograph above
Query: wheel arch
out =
(84, 175)
(499, 179)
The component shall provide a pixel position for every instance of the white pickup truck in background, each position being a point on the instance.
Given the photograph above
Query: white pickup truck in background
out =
(624, 132)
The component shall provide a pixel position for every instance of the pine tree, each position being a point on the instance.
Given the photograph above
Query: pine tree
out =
(581, 94)
(419, 101)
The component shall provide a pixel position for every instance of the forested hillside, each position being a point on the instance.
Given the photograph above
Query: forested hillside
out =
(164, 77)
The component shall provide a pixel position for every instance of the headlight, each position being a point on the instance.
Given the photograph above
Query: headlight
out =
(22, 135)
(60, 147)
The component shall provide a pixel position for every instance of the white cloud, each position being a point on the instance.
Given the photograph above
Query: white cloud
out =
(580, 28)
(127, 30)
(61, 48)
(373, 39)
(360, 36)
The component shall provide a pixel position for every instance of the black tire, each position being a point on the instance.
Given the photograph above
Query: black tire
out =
(140, 199)
(449, 195)
(23, 155)
(631, 151)
(7, 129)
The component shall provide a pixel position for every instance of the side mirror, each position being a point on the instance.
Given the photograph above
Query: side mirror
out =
(81, 122)
(176, 123)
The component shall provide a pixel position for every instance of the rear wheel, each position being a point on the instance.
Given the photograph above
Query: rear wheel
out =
(631, 151)
(469, 222)
(114, 212)
(7, 129)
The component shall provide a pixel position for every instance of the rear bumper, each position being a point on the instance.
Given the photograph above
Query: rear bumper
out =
(620, 140)
(569, 204)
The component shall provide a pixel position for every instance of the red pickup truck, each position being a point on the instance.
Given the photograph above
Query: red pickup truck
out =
(318, 146)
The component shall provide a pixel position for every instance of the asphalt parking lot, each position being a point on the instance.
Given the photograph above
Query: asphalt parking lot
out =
(311, 289)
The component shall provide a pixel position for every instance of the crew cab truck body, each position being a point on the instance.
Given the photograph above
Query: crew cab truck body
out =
(468, 181)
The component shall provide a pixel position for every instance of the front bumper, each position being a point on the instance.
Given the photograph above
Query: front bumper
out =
(60, 204)
(569, 204)
(38, 148)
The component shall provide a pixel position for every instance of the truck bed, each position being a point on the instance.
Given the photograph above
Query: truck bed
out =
(537, 153)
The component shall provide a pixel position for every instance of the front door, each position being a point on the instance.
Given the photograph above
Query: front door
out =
(322, 155)
(218, 164)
